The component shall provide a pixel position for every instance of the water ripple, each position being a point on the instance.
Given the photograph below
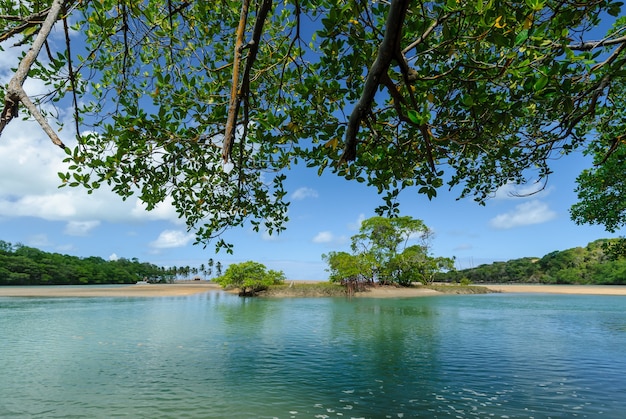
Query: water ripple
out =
(220, 356)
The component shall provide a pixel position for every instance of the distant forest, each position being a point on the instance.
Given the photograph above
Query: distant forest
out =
(22, 265)
(593, 264)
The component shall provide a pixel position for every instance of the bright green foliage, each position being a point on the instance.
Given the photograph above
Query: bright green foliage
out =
(22, 265)
(602, 193)
(402, 94)
(380, 241)
(250, 277)
(589, 265)
(381, 253)
(343, 266)
(416, 265)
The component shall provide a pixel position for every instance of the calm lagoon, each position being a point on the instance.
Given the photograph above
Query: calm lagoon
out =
(216, 355)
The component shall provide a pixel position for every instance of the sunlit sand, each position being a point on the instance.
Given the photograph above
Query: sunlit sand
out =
(190, 288)
(140, 290)
(560, 289)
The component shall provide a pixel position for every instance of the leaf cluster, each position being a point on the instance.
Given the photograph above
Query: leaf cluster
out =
(249, 277)
(206, 105)
(382, 253)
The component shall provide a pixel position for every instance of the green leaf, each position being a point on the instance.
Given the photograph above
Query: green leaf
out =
(521, 37)
(414, 116)
(468, 100)
(541, 83)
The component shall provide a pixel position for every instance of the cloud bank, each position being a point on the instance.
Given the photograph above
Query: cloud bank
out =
(528, 213)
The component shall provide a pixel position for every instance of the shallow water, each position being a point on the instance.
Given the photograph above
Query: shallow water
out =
(216, 355)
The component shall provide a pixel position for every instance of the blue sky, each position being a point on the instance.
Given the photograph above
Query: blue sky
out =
(324, 214)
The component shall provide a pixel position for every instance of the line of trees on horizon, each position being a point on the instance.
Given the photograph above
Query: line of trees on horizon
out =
(593, 264)
(23, 265)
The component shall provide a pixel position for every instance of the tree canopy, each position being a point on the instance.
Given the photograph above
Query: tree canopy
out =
(250, 277)
(209, 103)
(388, 251)
(23, 265)
(581, 265)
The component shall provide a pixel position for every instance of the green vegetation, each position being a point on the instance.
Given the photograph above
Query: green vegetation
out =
(211, 102)
(250, 278)
(297, 289)
(588, 265)
(381, 254)
(22, 265)
(602, 191)
(458, 289)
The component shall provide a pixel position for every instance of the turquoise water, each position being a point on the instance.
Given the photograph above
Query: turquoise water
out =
(216, 355)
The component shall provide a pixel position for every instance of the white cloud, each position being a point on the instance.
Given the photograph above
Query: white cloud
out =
(163, 211)
(323, 237)
(326, 237)
(356, 226)
(515, 191)
(533, 212)
(113, 256)
(80, 228)
(303, 193)
(172, 238)
(29, 164)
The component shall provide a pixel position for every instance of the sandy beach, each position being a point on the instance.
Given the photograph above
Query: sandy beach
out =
(560, 289)
(138, 290)
(396, 292)
(190, 288)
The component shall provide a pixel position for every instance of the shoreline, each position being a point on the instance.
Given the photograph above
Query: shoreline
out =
(185, 289)
(132, 290)
(558, 289)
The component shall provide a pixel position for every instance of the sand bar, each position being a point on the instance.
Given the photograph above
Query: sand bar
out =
(190, 288)
(393, 292)
(139, 290)
(559, 289)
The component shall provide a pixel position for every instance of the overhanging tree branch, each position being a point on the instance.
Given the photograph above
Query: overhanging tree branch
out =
(15, 91)
(33, 20)
(588, 46)
(233, 106)
(389, 48)
(253, 45)
(239, 93)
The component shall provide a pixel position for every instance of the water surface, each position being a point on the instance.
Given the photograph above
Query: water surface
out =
(216, 355)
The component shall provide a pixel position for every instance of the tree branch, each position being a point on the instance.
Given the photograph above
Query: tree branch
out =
(588, 46)
(32, 20)
(241, 93)
(253, 45)
(15, 91)
(610, 59)
(388, 50)
(233, 106)
(426, 33)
